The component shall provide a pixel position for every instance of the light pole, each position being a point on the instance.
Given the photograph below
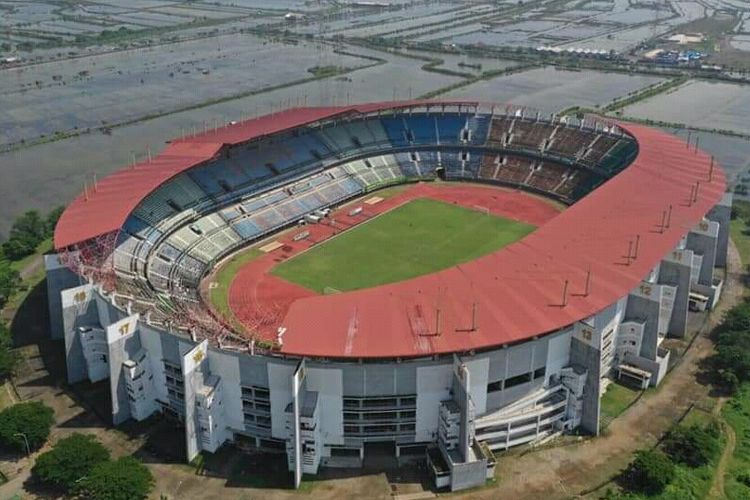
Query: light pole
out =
(25, 440)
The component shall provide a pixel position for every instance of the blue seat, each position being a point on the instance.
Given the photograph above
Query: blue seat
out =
(395, 130)
(450, 127)
(246, 228)
(480, 127)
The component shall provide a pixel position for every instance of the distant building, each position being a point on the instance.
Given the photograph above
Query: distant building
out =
(294, 16)
(685, 38)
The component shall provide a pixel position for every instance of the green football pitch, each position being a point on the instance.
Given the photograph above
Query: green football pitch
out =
(419, 237)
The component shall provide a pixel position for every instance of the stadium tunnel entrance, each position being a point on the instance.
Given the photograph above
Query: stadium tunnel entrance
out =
(380, 455)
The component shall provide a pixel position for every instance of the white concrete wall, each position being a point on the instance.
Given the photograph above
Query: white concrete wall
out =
(433, 386)
(280, 384)
(558, 354)
(151, 342)
(478, 370)
(329, 384)
(227, 367)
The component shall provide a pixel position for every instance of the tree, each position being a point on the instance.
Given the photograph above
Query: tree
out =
(734, 338)
(31, 420)
(30, 226)
(729, 381)
(9, 281)
(17, 249)
(733, 359)
(123, 479)
(693, 446)
(69, 460)
(52, 219)
(8, 359)
(737, 319)
(650, 472)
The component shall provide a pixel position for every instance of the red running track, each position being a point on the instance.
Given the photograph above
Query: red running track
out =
(260, 300)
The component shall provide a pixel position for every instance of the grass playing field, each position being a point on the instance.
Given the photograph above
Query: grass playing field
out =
(417, 238)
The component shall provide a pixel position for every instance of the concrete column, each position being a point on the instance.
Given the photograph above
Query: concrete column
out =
(588, 357)
(675, 271)
(507, 437)
(702, 240)
(722, 214)
(643, 306)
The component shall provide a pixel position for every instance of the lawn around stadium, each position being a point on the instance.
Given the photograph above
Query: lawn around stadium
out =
(419, 237)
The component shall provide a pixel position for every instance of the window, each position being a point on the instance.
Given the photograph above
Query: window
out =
(495, 386)
(371, 403)
(379, 429)
(517, 380)
(378, 415)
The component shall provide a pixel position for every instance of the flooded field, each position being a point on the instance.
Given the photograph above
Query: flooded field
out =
(732, 153)
(550, 90)
(405, 24)
(741, 42)
(708, 105)
(354, 20)
(618, 26)
(465, 63)
(45, 20)
(50, 174)
(87, 67)
(90, 92)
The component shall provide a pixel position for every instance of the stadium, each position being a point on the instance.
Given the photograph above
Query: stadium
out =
(430, 279)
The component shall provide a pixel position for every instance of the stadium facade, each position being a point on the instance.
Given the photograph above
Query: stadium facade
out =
(520, 351)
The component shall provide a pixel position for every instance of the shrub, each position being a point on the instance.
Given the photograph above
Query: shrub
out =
(8, 359)
(69, 460)
(123, 479)
(650, 472)
(32, 420)
(9, 281)
(693, 446)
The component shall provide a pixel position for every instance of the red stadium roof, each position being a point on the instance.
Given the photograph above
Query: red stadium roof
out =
(105, 207)
(518, 291)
